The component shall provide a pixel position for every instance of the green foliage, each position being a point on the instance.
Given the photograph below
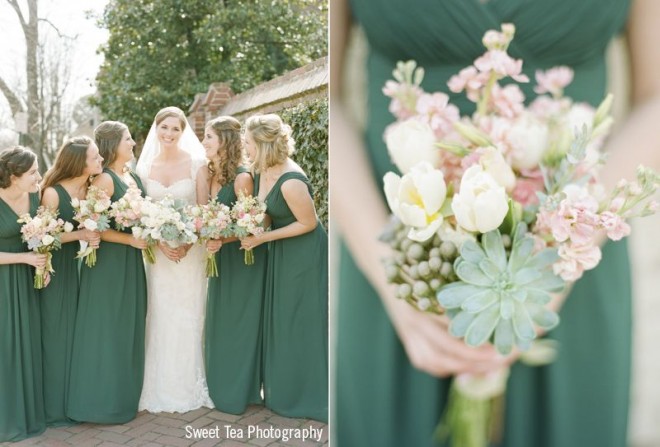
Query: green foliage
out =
(162, 53)
(309, 122)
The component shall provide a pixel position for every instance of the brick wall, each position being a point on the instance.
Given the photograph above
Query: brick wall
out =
(299, 85)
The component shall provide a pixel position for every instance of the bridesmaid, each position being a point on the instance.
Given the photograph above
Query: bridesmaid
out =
(76, 161)
(107, 364)
(296, 298)
(235, 298)
(21, 391)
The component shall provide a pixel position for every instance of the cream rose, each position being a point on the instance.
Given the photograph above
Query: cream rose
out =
(481, 203)
(417, 198)
(528, 139)
(410, 142)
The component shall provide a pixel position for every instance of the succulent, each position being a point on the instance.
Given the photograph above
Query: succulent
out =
(498, 297)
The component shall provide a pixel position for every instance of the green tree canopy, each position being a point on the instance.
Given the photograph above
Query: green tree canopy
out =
(162, 53)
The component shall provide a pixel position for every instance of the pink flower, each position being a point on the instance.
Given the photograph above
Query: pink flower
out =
(404, 97)
(508, 100)
(470, 80)
(553, 81)
(501, 63)
(575, 218)
(525, 190)
(575, 259)
(440, 115)
(616, 227)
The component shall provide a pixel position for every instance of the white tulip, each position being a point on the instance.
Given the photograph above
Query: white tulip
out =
(68, 227)
(494, 164)
(75, 202)
(90, 224)
(528, 139)
(47, 240)
(411, 142)
(416, 199)
(481, 203)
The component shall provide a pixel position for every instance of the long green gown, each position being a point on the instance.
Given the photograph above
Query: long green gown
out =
(582, 398)
(21, 381)
(107, 366)
(295, 315)
(59, 303)
(233, 335)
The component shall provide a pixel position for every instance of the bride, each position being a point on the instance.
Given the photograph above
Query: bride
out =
(174, 379)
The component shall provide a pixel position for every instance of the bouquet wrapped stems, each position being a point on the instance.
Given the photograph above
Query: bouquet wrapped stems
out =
(149, 255)
(211, 265)
(248, 257)
(41, 272)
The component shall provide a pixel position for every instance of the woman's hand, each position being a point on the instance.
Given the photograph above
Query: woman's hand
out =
(249, 242)
(138, 243)
(183, 250)
(37, 260)
(213, 245)
(432, 349)
(170, 253)
(92, 237)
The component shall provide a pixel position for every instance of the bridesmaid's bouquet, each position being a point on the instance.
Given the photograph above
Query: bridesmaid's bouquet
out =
(129, 211)
(496, 211)
(211, 221)
(91, 213)
(248, 214)
(42, 235)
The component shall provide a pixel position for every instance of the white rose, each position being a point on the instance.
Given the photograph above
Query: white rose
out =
(75, 202)
(137, 232)
(580, 114)
(99, 207)
(528, 139)
(416, 199)
(90, 224)
(47, 240)
(68, 227)
(410, 142)
(493, 163)
(481, 203)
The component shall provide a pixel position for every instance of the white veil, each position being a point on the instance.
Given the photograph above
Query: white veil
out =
(188, 143)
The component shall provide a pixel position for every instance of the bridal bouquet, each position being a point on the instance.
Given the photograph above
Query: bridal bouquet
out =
(128, 213)
(496, 211)
(42, 234)
(166, 221)
(91, 213)
(248, 214)
(211, 221)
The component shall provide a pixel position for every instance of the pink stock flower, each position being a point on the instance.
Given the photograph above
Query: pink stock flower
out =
(508, 100)
(616, 227)
(404, 97)
(525, 190)
(575, 218)
(553, 81)
(440, 115)
(575, 259)
(500, 62)
(470, 80)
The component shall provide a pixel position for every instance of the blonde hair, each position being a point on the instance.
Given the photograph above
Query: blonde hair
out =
(272, 138)
(228, 130)
(168, 112)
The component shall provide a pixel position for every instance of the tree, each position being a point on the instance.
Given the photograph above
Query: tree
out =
(163, 53)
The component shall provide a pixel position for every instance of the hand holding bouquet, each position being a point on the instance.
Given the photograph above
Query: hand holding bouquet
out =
(496, 211)
(211, 221)
(128, 212)
(42, 234)
(167, 222)
(248, 214)
(91, 213)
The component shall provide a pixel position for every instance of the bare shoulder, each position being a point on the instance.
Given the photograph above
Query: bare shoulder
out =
(104, 182)
(50, 198)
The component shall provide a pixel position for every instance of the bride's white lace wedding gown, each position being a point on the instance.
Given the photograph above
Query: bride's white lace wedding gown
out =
(174, 378)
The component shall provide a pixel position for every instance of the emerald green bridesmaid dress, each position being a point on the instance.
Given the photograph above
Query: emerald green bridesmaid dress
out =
(296, 315)
(582, 398)
(233, 335)
(59, 303)
(107, 365)
(21, 380)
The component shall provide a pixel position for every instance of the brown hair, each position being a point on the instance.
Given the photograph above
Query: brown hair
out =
(108, 135)
(228, 130)
(168, 112)
(70, 161)
(16, 161)
(272, 138)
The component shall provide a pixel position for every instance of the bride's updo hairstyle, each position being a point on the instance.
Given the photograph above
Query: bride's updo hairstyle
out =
(108, 135)
(168, 112)
(70, 161)
(272, 138)
(14, 161)
(230, 154)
